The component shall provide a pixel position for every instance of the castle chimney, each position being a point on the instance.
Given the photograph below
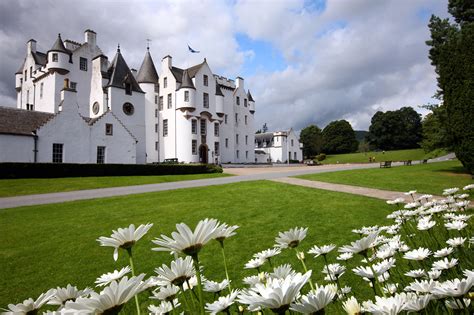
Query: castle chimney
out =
(90, 37)
(239, 82)
(167, 62)
(31, 46)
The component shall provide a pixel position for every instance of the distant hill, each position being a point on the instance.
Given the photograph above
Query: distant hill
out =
(360, 135)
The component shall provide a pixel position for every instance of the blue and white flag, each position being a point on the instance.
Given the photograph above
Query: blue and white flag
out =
(192, 50)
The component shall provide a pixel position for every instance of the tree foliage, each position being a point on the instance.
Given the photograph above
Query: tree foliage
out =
(394, 130)
(435, 134)
(451, 52)
(339, 137)
(312, 140)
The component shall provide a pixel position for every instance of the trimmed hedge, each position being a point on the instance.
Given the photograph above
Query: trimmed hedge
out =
(55, 170)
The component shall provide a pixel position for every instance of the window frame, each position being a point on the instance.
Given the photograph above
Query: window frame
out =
(169, 101)
(58, 153)
(194, 126)
(109, 129)
(194, 147)
(205, 100)
(216, 129)
(186, 96)
(101, 157)
(205, 80)
(82, 64)
(165, 127)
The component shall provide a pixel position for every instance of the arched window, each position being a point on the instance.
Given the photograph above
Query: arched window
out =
(128, 109)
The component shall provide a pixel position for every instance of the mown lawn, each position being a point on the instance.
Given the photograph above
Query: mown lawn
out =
(398, 155)
(29, 186)
(52, 245)
(425, 178)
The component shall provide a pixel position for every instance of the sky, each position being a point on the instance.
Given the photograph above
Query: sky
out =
(304, 61)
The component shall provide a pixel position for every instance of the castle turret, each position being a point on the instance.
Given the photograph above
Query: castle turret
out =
(251, 102)
(219, 100)
(147, 72)
(59, 58)
(186, 94)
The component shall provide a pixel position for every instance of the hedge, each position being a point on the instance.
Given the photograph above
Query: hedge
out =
(55, 170)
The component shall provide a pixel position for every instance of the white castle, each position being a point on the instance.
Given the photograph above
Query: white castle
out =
(75, 106)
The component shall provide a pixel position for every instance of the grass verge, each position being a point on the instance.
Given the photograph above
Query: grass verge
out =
(425, 178)
(29, 186)
(52, 245)
(397, 155)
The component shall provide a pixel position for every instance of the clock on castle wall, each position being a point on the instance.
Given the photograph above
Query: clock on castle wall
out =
(95, 108)
(128, 109)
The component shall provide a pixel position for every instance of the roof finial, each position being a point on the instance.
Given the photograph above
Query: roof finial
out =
(118, 47)
(148, 44)
(59, 35)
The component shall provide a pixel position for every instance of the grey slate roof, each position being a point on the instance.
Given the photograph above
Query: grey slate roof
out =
(249, 96)
(59, 46)
(147, 72)
(40, 58)
(218, 90)
(119, 73)
(178, 73)
(20, 70)
(21, 122)
(186, 81)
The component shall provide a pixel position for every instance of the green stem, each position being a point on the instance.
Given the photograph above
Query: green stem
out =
(185, 298)
(305, 270)
(130, 257)
(198, 275)
(225, 266)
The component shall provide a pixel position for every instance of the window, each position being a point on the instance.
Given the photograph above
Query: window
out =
(206, 80)
(245, 102)
(294, 156)
(236, 119)
(26, 75)
(165, 127)
(156, 145)
(246, 154)
(156, 99)
(55, 57)
(225, 119)
(73, 85)
(83, 65)
(41, 89)
(128, 109)
(95, 108)
(203, 126)
(27, 97)
(237, 139)
(156, 112)
(216, 129)
(186, 96)
(160, 103)
(245, 119)
(100, 155)
(31, 72)
(237, 100)
(194, 145)
(128, 89)
(57, 152)
(291, 142)
(165, 82)
(246, 139)
(205, 100)
(237, 153)
(194, 126)
(30, 107)
(109, 129)
(169, 104)
(156, 128)
(216, 149)
(226, 142)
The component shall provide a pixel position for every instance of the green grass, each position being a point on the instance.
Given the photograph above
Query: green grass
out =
(52, 245)
(425, 178)
(29, 186)
(399, 155)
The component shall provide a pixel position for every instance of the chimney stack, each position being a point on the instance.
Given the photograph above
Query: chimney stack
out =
(90, 37)
(239, 82)
(167, 62)
(31, 46)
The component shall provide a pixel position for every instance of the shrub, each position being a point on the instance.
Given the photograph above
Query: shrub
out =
(321, 157)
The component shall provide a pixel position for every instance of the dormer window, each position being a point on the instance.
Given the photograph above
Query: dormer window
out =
(55, 57)
(128, 89)
(206, 80)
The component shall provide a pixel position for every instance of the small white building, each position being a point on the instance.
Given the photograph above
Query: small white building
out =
(278, 147)
(188, 114)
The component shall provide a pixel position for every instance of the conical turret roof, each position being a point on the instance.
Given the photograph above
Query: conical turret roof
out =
(119, 74)
(250, 96)
(59, 46)
(186, 81)
(147, 72)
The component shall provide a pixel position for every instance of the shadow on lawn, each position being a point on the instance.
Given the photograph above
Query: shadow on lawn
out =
(455, 171)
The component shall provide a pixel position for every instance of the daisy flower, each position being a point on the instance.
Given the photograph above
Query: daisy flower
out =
(282, 272)
(180, 271)
(395, 201)
(334, 271)
(222, 304)
(456, 304)
(215, 287)
(434, 274)
(450, 191)
(165, 307)
(417, 273)
(166, 293)
(455, 225)
(254, 263)
(456, 241)
(268, 253)
(124, 237)
(454, 288)
(386, 305)
(469, 187)
(314, 301)
(445, 264)
(443, 252)
(186, 241)
(417, 254)
(360, 245)
(69, 293)
(31, 306)
(107, 278)
(417, 303)
(423, 286)
(351, 306)
(290, 238)
(223, 231)
(323, 250)
(345, 256)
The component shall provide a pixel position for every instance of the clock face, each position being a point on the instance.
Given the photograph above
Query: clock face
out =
(95, 108)
(128, 109)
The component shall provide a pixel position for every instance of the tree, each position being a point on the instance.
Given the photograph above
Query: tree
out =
(451, 52)
(435, 134)
(399, 129)
(312, 140)
(339, 137)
